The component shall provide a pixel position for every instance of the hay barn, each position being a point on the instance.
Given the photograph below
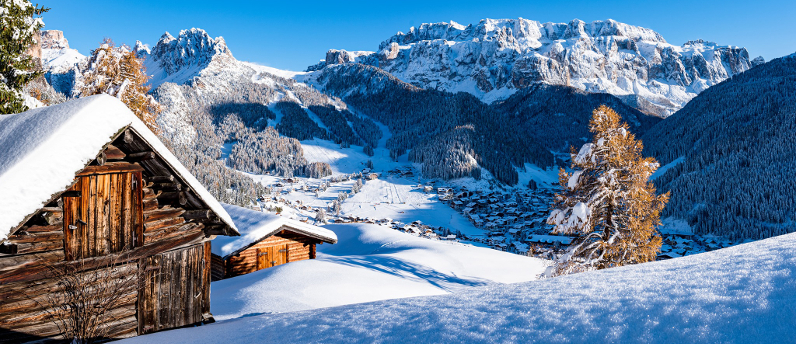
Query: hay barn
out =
(86, 188)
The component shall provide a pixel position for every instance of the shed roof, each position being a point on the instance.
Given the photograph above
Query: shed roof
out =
(254, 226)
(42, 150)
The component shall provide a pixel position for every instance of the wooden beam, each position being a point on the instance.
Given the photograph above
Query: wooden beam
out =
(141, 156)
(161, 179)
(114, 153)
(70, 193)
(172, 197)
(110, 167)
(101, 159)
(203, 214)
(167, 186)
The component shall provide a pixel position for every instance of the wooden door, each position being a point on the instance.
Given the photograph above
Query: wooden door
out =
(106, 217)
(175, 290)
(271, 256)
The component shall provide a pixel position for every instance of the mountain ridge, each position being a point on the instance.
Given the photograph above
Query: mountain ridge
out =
(495, 58)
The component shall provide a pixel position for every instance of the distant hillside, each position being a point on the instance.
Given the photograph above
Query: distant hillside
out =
(558, 116)
(737, 141)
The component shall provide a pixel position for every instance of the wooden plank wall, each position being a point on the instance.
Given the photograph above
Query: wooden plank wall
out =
(173, 291)
(299, 248)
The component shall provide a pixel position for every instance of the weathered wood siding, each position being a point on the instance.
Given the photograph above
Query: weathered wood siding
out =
(275, 250)
(173, 289)
(106, 217)
(119, 217)
(218, 270)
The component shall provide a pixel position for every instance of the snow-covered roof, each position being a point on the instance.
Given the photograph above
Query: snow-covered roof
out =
(42, 150)
(550, 239)
(255, 226)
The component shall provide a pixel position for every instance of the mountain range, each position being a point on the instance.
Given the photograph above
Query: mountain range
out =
(497, 57)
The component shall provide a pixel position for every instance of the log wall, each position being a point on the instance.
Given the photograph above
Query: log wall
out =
(131, 224)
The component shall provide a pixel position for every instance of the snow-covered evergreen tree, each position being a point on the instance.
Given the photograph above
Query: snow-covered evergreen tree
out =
(320, 216)
(19, 27)
(118, 72)
(608, 201)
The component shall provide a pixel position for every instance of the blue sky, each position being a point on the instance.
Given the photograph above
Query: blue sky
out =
(294, 34)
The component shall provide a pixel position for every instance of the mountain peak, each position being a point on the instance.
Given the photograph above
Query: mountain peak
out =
(191, 48)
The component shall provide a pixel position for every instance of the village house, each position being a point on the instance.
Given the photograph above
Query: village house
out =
(266, 240)
(86, 189)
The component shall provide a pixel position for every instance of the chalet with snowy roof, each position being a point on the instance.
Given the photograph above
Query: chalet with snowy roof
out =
(86, 189)
(266, 240)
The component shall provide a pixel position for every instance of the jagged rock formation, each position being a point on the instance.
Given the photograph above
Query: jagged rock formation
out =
(495, 58)
(53, 39)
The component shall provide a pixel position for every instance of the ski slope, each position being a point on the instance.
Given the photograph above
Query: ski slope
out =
(742, 294)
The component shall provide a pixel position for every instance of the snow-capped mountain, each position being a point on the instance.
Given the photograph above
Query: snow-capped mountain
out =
(495, 58)
(56, 56)
(179, 59)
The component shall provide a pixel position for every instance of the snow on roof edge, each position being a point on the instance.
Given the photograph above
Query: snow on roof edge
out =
(160, 149)
(44, 148)
(255, 226)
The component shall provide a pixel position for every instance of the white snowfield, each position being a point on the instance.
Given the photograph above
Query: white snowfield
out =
(369, 263)
(254, 226)
(742, 294)
(42, 149)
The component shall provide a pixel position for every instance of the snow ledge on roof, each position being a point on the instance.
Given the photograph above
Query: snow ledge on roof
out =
(255, 226)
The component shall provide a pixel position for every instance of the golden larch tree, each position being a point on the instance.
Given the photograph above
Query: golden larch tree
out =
(118, 72)
(608, 202)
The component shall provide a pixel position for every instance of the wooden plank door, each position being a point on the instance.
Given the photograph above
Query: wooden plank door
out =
(263, 260)
(174, 290)
(106, 217)
(271, 256)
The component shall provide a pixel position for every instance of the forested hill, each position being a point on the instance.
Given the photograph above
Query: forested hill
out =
(558, 116)
(737, 175)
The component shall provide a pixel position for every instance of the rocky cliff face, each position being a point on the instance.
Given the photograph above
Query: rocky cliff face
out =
(178, 59)
(53, 39)
(495, 58)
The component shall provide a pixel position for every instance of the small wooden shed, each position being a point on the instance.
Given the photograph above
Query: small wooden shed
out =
(266, 240)
(85, 185)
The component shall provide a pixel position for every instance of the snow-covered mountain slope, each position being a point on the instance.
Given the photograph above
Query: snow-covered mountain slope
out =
(742, 294)
(56, 55)
(369, 263)
(496, 57)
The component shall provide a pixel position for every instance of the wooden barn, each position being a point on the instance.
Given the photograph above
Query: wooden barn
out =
(87, 190)
(266, 240)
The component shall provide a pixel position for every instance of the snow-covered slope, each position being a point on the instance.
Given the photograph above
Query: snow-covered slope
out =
(494, 58)
(369, 263)
(742, 294)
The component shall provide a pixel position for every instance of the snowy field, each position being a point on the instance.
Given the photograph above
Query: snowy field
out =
(742, 294)
(369, 263)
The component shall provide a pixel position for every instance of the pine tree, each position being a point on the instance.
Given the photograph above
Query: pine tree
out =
(118, 72)
(18, 31)
(608, 201)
